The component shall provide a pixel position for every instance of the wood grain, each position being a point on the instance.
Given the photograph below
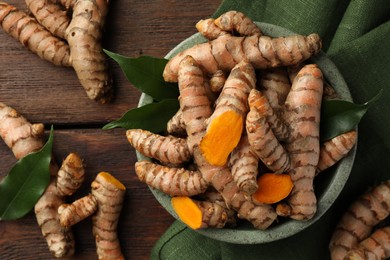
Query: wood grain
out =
(52, 95)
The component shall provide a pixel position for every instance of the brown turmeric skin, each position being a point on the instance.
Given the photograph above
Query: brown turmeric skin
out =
(20, 136)
(167, 149)
(172, 181)
(375, 246)
(262, 52)
(84, 35)
(302, 114)
(358, 221)
(34, 36)
(50, 15)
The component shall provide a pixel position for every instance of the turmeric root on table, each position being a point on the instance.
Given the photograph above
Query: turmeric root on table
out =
(50, 15)
(23, 138)
(104, 204)
(19, 135)
(60, 240)
(84, 35)
(225, 125)
(34, 36)
(360, 218)
(302, 114)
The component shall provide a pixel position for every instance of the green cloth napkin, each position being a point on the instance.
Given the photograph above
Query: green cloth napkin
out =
(356, 37)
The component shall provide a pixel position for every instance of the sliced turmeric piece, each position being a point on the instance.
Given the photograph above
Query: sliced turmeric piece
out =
(227, 121)
(199, 214)
(272, 188)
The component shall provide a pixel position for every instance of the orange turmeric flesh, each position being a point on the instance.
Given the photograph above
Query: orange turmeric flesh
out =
(272, 188)
(188, 211)
(111, 179)
(223, 135)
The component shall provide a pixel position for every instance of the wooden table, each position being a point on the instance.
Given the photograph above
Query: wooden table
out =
(53, 95)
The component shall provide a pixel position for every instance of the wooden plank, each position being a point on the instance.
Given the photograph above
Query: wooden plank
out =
(133, 28)
(142, 220)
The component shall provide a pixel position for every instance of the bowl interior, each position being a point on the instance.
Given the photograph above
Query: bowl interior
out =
(328, 185)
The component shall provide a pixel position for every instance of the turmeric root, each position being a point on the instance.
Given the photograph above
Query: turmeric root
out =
(358, 221)
(226, 123)
(172, 181)
(262, 52)
(34, 36)
(261, 137)
(244, 165)
(194, 103)
(109, 193)
(275, 85)
(231, 21)
(20, 136)
(50, 15)
(219, 177)
(335, 149)
(302, 114)
(71, 214)
(376, 246)
(167, 149)
(70, 175)
(199, 214)
(84, 35)
(176, 126)
(104, 204)
(23, 138)
(60, 240)
(272, 188)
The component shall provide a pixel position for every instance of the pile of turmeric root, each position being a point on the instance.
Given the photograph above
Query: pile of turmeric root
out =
(53, 215)
(66, 33)
(245, 141)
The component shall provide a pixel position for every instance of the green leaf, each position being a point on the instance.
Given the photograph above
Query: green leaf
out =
(152, 117)
(25, 183)
(340, 116)
(145, 73)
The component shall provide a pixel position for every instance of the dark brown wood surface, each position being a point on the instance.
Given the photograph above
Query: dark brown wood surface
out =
(53, 95)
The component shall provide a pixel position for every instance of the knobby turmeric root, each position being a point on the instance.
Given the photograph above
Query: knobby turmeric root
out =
(84, 35)
(19, 135)
(226, 51)
(104, 204)
(335, 149)
(302, 114)
(50, 15)
(172, 181)
(244, 165)
(60, 240)
(231, 21)
(24, 138)
(261, 137)
(34, 36)
(358, 221)
(199, 214)
(226, 123)
(167, 149)
(375, 246)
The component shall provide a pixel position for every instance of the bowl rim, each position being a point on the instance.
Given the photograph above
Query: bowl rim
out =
(243, 235)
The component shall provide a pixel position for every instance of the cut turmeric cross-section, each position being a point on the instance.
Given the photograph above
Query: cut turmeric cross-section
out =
(272, 188)
(223, 135)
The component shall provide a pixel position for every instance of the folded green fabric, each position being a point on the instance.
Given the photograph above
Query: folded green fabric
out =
(356, 37)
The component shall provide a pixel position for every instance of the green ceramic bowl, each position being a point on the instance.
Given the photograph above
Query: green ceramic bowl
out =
(327, 185)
